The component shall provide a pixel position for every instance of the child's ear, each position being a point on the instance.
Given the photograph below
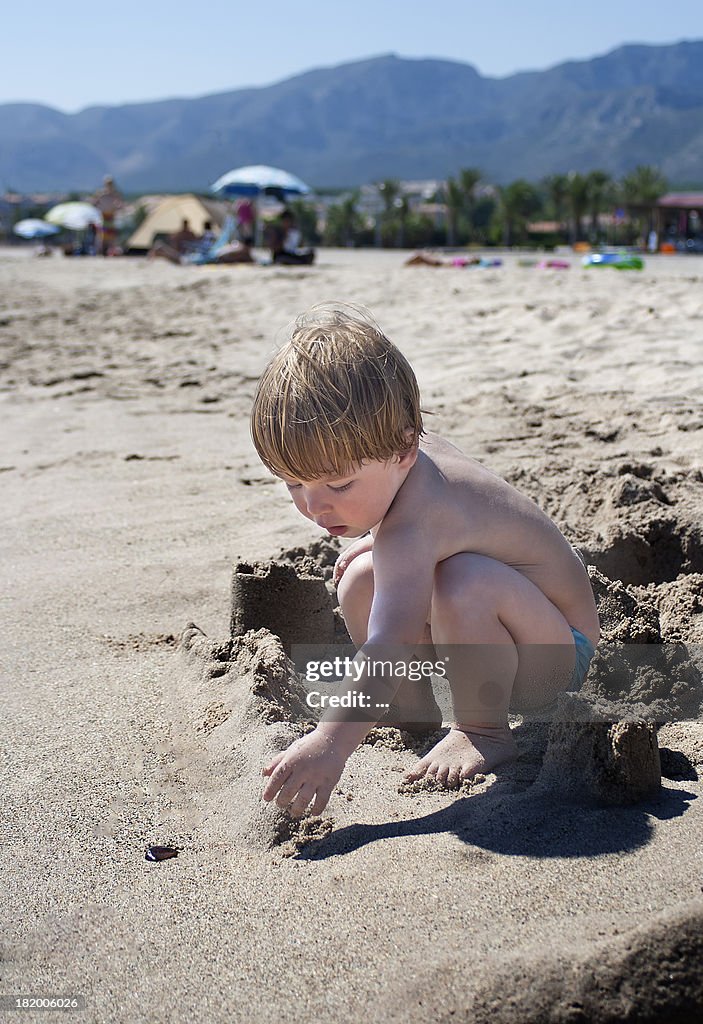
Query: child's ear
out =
(408, 458)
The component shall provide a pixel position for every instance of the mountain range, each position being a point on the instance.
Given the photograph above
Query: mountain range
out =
(383, 117)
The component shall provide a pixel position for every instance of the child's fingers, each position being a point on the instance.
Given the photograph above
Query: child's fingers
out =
(305, 794)
(321, 799)
(277, 779)
(272, 765)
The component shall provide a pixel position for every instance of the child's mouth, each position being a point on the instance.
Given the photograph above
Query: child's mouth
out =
(336, 531)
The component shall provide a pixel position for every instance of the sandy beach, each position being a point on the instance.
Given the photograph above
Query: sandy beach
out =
(130, 489)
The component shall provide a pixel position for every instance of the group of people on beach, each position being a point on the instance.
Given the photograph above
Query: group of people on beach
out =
(282, 237)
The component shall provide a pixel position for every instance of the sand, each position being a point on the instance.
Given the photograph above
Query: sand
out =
(131, 491)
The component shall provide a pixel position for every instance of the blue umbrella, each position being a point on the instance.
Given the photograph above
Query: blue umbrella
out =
(32, 227)
(252, 181)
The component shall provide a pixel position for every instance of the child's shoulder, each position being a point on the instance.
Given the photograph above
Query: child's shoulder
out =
(452, 464)
(447, 475)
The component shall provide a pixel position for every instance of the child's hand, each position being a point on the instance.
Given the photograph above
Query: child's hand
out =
(307, 771)
(348, 555)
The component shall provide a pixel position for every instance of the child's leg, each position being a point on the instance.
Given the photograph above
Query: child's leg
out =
(414, 708)
(503, 638)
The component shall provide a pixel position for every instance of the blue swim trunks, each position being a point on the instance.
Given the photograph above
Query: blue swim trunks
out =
(584, 653)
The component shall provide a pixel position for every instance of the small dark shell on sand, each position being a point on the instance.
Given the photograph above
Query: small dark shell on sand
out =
(161, 853)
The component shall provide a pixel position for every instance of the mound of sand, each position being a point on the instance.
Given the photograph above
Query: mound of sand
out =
(652, 974)
(242, 699)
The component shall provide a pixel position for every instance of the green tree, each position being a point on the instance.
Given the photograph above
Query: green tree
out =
(640, 190)
(599, 188)
(469, 177)
(454, 202)
(402, 209)
(578, 204)
(421, 231)
(459, 195)
(484, 212)
(344, 222)
(519, 202)
(394, 213)
(556, 187)
(643, 186)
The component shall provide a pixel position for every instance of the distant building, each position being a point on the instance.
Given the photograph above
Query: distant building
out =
(678, 218)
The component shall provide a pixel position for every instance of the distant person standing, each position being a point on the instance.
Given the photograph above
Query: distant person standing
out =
(108, 200)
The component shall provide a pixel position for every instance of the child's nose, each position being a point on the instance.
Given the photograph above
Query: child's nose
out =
(317, 502)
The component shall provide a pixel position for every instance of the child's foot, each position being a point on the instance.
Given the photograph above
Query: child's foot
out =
(462, 753)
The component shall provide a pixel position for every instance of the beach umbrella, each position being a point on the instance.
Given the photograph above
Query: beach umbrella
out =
(75, 216)
(32, 227)
(258, 179)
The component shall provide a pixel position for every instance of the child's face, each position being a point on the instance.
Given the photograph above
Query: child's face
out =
(351, 505)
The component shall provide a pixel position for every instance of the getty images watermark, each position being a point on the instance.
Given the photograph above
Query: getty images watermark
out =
(370, 670)
(653, 682)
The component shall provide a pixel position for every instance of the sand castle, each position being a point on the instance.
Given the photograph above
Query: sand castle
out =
(290, 602)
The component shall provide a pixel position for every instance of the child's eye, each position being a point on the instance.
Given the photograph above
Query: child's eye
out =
(344, 487)
(292, 487)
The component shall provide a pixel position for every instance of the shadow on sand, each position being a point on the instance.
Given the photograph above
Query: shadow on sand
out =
(524, 824)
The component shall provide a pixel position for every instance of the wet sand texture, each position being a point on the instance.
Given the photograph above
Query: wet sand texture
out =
(291, 603)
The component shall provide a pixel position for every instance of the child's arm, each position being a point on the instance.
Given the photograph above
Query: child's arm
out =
(310, 768)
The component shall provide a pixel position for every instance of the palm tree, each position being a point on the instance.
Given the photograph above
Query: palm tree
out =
(518, 202)
(454, 201)
(557, 189)
(389, 190)
(643, 186)
(640, 190)
(599, 186)
(578, 203)
(343, 221)
(469, 178)
(402, 209)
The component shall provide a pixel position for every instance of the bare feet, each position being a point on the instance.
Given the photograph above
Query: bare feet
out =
(462, 753)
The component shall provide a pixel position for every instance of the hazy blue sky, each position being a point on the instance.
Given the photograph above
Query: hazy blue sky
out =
(78, 53)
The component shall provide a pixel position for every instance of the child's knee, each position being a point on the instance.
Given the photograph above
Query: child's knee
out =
(356, 585)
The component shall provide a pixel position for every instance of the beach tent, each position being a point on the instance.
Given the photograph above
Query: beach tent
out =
(168, 216)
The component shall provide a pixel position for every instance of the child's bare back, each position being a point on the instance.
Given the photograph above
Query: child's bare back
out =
(458, 505)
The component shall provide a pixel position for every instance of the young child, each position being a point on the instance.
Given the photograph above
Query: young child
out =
(444, 553)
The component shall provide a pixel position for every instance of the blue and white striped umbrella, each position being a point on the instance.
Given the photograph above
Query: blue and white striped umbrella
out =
(252, 181)
(32, 227)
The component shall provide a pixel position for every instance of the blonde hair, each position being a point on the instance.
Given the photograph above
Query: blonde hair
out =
(337, 393)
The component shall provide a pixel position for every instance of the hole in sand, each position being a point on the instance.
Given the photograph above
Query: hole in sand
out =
(657, 551)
